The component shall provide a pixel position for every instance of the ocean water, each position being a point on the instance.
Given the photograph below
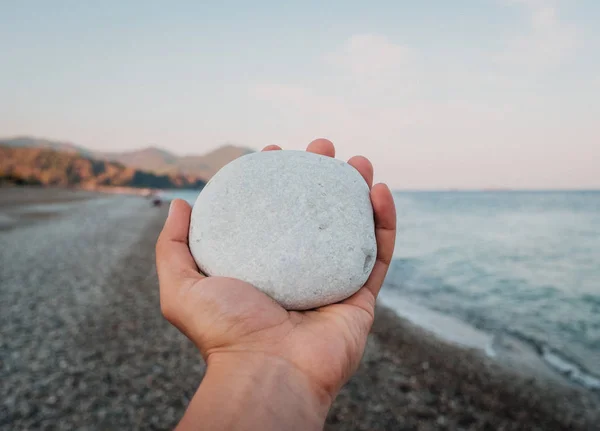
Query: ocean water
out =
(520, 263)
(524, 264)
(187, 195)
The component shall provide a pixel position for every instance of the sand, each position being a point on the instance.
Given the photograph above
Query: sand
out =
(83, 344)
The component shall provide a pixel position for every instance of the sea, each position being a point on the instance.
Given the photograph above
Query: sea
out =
(478, 267)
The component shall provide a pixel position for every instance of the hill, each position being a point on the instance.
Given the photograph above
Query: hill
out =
(207, 165)
(150, 159)
(26, 165)
(161, 161)
(30, 142)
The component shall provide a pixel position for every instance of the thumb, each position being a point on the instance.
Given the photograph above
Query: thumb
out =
(174, 262)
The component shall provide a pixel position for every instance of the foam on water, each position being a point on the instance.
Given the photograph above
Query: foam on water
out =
(506, 348)
(571, 370)
(447, 327)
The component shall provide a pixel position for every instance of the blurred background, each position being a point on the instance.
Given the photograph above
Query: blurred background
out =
(481, 115)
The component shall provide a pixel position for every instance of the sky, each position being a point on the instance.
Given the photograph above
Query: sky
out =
(438, 94)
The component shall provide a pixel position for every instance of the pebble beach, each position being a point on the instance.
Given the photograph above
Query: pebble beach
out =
(83, 344)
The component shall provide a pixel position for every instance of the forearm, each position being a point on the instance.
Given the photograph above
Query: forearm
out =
(250, 393)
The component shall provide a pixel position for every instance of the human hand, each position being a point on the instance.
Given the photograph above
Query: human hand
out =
(299, 358)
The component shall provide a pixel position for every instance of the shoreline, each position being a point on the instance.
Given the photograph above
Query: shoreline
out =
(115, 190)
(508, 349)
(91, 348)
(452, 386)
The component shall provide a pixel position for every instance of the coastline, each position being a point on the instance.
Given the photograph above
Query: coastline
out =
(416, 380)
(86, 346)
(508, 349)
(119, 190)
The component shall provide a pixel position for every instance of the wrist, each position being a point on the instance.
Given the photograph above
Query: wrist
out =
(261, 369)
(256, 391)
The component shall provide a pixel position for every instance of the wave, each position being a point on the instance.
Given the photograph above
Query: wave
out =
(560, 362)
(503, 345)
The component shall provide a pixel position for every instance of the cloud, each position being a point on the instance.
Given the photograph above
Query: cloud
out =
(368, 56)
(362, 95)
(428, 121)
(375, 64)
(547, 41)
(373, 91)
(404, 139)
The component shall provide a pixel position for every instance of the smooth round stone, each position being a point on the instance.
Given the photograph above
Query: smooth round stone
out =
(297, 225)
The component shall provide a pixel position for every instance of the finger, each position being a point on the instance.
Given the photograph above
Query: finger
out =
(364, 167)
(384, 212)
(322, 146)
(174, 262)
(271, 148)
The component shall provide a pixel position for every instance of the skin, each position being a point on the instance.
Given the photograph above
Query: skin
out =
(267, 368)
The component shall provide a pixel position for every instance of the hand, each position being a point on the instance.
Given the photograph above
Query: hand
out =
(306, 355)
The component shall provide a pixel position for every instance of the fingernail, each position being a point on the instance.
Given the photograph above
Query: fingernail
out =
(170, 208)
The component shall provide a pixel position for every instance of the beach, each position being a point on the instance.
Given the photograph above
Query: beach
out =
(84, 345)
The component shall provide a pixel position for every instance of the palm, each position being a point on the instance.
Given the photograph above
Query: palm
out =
(326, 343)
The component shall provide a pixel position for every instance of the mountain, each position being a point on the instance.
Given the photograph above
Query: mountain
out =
(149, 159)
(26, 165)
(29, 142)
(207, 165)
(161, 161)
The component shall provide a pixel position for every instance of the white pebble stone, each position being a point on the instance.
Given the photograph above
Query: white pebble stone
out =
(296, 225)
